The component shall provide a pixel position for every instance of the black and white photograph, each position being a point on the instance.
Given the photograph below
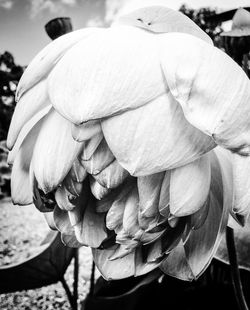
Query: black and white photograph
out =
(124, 154)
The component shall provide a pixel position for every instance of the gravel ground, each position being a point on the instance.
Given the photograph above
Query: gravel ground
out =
(21, 231)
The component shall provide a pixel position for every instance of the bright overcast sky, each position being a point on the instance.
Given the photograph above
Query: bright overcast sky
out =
(22, 21)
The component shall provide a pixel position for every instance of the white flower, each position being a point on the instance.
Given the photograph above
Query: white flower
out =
(120, 127)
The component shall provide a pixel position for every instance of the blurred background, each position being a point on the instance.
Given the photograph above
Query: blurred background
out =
(26, 26)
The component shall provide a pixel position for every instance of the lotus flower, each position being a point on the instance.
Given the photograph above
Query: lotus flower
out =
(124, 137)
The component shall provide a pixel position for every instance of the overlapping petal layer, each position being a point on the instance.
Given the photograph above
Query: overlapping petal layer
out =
(124, 159)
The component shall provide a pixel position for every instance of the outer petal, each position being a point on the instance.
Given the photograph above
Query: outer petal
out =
(160, 19)
(114, 269)
(241, 173)
(44, 62)
(91, 230)
(26, 130)
(212, 89)
(189, 187)
(21, 188)
(203, 242)
(112, 71)
(154, 137)
(54, 152)
(31, 103)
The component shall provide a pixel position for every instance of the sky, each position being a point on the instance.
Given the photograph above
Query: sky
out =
(22, 21)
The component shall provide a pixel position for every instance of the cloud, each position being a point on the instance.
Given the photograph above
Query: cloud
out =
(95, 22)
(112, 7)
(39, 7)
(6, 4)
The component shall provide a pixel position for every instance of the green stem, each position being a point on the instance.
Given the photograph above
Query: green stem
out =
(235, 273)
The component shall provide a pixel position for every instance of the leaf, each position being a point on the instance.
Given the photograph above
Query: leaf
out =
(242, 244)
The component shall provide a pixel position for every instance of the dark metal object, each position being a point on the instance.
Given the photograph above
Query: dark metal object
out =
(235, 273)
(58, 26)
(224, 16)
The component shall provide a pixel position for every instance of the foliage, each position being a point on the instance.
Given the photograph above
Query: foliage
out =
(10, 73)
(201, 18)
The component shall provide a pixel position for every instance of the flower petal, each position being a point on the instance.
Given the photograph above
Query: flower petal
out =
(44, 62)
(114, 269)
(91, 230)
(203, 242)
(154, 137)
(189, 187)
(160, 19)
(176, 264)
(113, 71)
(112, 176)
(241, 172)
(198, 77)
(26, 130)
(54, 152)
(31, 104)
(21, 187)
(86, 131)
(101, 158)
(149, 194)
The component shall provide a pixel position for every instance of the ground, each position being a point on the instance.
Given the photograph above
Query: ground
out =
(21, 231)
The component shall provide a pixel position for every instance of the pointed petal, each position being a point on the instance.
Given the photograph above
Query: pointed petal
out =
(189, 187)
(130, 216)
(160, 19)
(86, 131)
(160, 123)
(21, 187)
(142, 267)
(45, 61)
(241, 172)
(112, 176)
(149, 194)
(114, 70)
(199, 217)
(72, 186)
(164, 195)
(98, 190)
(70, 241)
(121, 252)
(176, 265)
(32, 103)
(91, 230)
(197, 76)
(62, 221)
(77, 172)
(115, 214)
(101, 158)
(90, 146)
(50, 220)
(54, 152)
(35, 121)
(203, 242)
(62, 199)
(115, 269)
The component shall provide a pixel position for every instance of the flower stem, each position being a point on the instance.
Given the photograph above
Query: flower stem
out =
(235, 273)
